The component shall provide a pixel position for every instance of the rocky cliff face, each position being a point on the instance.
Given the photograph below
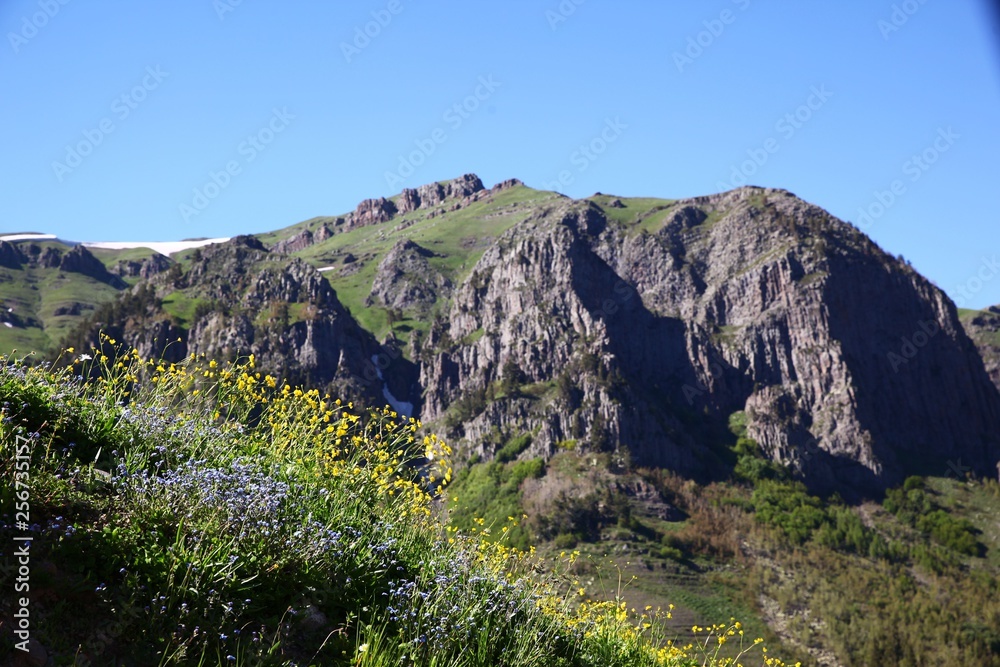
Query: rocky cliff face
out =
(146, 268)
(11, 256)
(428, 196)
(852, 368)
(242, 300)
(405, 280)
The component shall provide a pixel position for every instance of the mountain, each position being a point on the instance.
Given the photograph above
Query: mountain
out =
(630, 326)
(983, 327)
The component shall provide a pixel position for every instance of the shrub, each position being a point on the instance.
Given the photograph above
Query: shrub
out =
(514, 447)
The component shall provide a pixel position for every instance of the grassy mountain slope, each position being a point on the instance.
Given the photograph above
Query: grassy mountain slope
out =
(457, 239)
(912, 580)
(197, 524)
(47, 303)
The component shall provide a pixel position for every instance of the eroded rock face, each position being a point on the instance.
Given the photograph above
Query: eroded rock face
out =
(748, 300)
(75, 260)
(432, 194)
(277, 308)
(406, 281)
(371, 212)
(147, 268)
(303, 239)
(11, 256)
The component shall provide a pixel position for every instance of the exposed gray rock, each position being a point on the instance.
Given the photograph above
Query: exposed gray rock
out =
(11, 256)
(406, 281)
(322, 233)
(371, 212)
(299, 241)
(147, 268)
(432, 194)
(504, 185)
(51, 258)
(80, 260)
(750, 300)
(278, 308)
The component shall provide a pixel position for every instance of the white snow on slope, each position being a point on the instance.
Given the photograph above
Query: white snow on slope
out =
(162, 247)
(402, 407)
(28, 237)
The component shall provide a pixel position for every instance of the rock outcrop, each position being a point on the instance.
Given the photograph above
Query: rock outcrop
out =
(146, 268)
(302, 240)
(11, 256)
(371, 212)
(432, 194)
(76, 259)
(277, 308)
(406, 281)
(852, 369)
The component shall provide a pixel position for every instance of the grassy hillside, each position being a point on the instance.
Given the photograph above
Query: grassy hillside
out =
(457, 239)
(204, 515)
(913, 580)
(43, 304)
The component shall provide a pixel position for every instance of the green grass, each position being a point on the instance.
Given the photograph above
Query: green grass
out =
(197, 524)
(182, 306)
(638, 213)
(457, 239)
(111, 257)
(35, 294)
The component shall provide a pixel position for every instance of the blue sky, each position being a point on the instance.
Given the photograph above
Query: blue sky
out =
(162, 121)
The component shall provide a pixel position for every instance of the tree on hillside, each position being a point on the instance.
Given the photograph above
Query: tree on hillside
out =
(512, 377)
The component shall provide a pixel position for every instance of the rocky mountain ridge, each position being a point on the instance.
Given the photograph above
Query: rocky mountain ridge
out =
(631, 326)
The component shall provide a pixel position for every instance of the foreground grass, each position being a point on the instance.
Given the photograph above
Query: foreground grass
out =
(194, 514)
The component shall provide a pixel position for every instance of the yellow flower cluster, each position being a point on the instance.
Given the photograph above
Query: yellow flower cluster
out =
(380, 458)
(380, 455)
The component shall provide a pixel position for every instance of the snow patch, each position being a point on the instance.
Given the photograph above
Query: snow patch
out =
(326, 268)
(162, 247)
(402, 407)
(28, 237)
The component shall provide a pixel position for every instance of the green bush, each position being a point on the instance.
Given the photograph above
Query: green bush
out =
(914, 505)
(955, 534)
(514, 447)
(489, 494)
(671, 553)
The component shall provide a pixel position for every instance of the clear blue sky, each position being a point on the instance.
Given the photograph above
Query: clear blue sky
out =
(923, 81)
